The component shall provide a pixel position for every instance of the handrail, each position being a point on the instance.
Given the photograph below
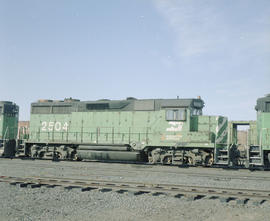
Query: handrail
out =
(4, 138)
(109, 136)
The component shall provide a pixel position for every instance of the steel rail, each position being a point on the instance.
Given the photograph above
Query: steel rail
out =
(189, 191)
(213, 176)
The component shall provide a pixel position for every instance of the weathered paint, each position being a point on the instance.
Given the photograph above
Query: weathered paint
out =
(8, 120)
(263, 130)
(263, 122)
(145, 128)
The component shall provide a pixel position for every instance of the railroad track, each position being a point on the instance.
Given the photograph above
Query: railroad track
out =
(239, 196)
(216, 175)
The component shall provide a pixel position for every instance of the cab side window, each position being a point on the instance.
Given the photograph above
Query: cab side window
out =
(176, 115)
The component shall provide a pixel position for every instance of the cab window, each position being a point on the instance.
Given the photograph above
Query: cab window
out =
(176, 115)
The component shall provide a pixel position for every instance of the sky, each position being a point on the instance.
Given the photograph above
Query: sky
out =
(97, 49)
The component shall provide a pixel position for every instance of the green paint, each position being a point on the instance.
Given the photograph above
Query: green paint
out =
(141, 122)
(263, 122)
(8, 120)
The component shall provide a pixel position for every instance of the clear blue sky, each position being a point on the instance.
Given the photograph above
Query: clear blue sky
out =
(94, 49)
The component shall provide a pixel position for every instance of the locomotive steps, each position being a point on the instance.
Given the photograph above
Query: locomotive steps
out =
(187, 192)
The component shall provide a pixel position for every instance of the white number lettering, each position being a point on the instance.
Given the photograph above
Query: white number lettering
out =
(57, 126)
(65, 126)
(43, 126)
(50, 126)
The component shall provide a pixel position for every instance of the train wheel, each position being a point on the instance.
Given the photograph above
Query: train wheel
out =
(34, 152)
(191, 161)
(167, 160)
(77, 158)
(41, 154)
(209, 161)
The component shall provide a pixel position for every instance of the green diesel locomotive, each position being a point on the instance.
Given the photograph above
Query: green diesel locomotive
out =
(259, 152)
(168, 131)
(8, 126)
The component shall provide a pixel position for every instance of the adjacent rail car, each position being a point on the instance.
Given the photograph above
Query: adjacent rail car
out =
(168, 131)
(8, 126)
(259, 153)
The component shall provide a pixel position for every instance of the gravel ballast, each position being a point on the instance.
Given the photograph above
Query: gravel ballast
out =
(61, 204)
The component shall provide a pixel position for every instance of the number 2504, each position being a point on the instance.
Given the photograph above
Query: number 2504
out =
(57, 126)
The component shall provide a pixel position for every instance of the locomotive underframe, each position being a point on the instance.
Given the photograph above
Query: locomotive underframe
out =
(152, 154)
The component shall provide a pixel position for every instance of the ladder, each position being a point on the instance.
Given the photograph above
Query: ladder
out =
(222, 156)
(255, 156)
(228, 155)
